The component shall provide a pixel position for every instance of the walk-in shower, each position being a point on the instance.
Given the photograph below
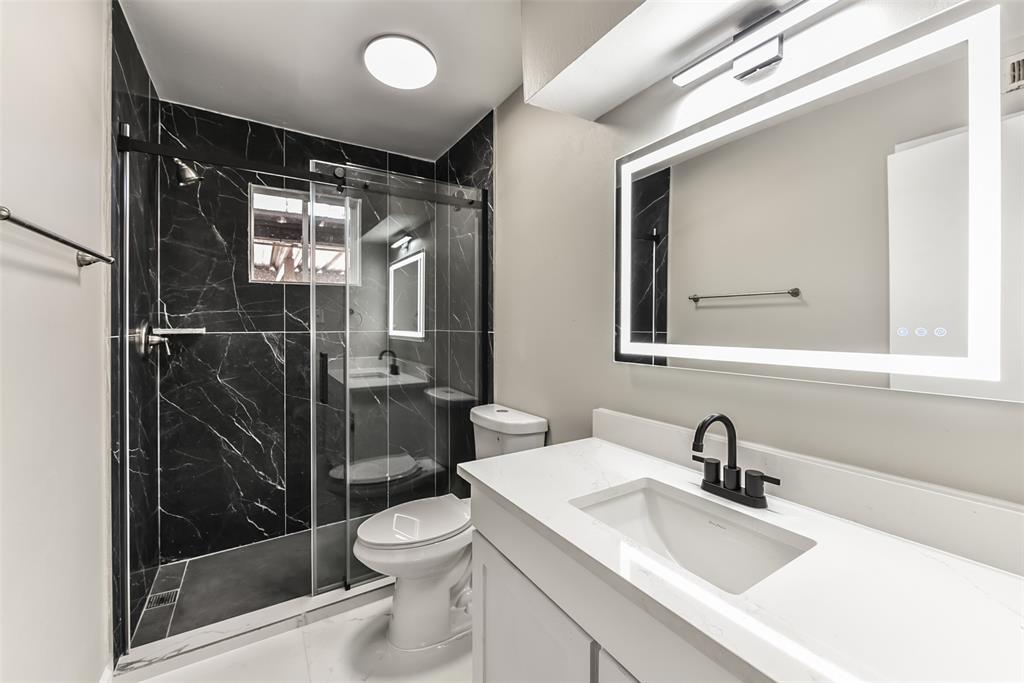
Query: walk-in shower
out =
(294, 353)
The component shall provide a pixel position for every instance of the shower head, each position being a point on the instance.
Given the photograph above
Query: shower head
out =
(186, 174)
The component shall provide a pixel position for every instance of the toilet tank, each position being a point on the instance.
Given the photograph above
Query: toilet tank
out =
(498, 430)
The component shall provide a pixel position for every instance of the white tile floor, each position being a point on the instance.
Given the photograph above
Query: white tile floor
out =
(348, 647)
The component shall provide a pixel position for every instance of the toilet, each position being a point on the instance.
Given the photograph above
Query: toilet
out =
(425, 543)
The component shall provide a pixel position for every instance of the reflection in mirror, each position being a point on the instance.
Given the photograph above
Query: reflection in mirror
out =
(844, 225)
(406, 297)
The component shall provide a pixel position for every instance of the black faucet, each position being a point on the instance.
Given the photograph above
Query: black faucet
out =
(728, 486)
(393, 368)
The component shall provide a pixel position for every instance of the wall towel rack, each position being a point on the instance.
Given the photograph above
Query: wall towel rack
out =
(794, 292)
(86, 256)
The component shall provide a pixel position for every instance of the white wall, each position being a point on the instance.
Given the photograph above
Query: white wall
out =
(556, 32)
(55, 461)
(554, 290)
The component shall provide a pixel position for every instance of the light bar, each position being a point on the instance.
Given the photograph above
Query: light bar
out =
(745, 42)
(401, 241)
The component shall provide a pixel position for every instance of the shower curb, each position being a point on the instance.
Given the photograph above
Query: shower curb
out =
(187, 648)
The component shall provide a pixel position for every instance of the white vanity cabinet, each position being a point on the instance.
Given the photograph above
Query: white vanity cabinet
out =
(610, 671)
(519, 635)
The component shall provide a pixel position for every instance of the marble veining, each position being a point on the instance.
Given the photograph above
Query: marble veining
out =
(222, 444)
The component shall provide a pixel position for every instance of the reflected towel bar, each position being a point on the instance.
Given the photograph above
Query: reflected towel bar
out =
(86, 256)
(695, 298)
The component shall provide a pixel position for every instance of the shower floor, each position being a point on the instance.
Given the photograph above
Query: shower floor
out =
(227, 584)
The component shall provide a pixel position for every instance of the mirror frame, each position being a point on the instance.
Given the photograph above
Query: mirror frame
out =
(419, 258)
(981, 34)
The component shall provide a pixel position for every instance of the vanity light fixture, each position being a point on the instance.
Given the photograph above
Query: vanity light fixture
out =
(400, 62)
(401, 241)
(754, 46)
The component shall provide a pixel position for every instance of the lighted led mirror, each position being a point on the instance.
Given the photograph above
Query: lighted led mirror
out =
(406, 297)
(852, 229)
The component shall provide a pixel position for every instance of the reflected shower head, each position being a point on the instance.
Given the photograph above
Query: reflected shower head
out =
(186, 174)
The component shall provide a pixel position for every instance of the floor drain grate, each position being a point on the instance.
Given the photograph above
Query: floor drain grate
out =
(162, 599)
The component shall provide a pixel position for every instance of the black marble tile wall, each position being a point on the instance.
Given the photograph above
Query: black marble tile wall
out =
(204, 282)
(222, 443)
(465, 295)
(135, 530)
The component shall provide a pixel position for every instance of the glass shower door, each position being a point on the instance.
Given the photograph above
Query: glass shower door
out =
(349, 401)
(394, 351)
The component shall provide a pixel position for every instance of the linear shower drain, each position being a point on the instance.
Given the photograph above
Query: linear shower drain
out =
(162, 599)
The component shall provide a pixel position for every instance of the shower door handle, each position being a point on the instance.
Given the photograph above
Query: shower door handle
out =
(322, 381)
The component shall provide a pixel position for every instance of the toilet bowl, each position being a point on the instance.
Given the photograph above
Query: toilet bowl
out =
(425, 543)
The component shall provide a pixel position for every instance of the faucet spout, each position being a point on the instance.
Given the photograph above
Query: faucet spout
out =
(730, 433)
(393, 367)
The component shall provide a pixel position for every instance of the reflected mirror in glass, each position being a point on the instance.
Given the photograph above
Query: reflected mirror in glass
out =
(406, 297)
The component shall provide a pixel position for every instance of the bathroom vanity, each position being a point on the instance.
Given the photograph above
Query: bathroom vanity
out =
(596, 561)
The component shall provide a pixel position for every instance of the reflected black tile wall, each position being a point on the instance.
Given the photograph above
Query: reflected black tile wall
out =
(649, 267)
(133, 102)
(649, 272)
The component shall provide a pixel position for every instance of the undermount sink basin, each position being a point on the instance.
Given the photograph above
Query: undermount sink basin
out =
(727, 548)
(367, 374)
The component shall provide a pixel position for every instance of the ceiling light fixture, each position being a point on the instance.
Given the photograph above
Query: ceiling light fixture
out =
(400, 61)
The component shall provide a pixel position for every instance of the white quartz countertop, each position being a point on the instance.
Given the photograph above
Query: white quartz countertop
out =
(860, 605)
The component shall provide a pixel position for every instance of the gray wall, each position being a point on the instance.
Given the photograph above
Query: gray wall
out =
(553, 319)
(804, 203)
(55, 463)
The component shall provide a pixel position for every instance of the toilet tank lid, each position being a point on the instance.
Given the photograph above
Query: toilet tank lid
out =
(507, 420)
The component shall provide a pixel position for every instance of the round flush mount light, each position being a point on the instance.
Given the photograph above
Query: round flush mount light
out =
(400, 61)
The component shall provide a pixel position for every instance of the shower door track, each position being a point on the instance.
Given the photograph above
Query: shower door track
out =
(215, 158)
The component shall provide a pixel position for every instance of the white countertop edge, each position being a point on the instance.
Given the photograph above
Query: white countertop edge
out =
(749, 630)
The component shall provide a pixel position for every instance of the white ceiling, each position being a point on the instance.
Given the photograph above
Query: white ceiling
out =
(298, 64)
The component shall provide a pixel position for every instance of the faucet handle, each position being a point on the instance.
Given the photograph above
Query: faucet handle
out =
(711, 471)
(755, 483)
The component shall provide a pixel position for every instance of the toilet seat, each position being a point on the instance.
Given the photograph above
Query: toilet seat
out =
(415, 523)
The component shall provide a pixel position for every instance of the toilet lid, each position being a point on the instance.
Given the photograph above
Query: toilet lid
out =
(416, 523)
(382, 468)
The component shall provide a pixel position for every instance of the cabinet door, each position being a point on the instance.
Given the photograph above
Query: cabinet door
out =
(610, 671)
(519, 635)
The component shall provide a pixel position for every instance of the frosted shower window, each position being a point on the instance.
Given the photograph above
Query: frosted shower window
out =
(279, 237)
